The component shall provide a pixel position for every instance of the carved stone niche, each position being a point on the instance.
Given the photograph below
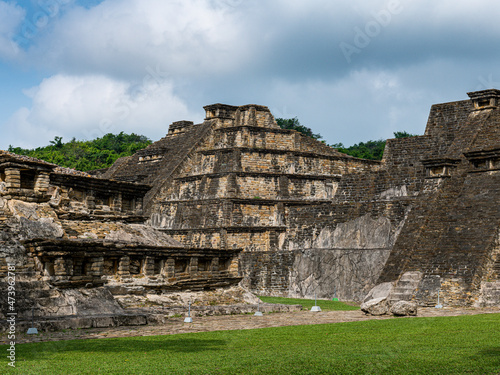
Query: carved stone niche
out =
(24, 182)
(485, 99)
(179, 127)
(222, 111)
(3, 186)
(439, 168)
(484, 160)
(156, 155)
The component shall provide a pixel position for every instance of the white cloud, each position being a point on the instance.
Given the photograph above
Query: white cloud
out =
(11, 17)
(196, 38)
(368, 104)
(86, 107)
(122, 37)
(284, 54)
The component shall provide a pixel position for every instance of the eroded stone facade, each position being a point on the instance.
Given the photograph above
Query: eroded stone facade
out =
(238, 198)
(71, 239)
(313, 221)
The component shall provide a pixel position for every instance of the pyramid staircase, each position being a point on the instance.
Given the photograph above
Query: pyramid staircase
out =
(405, 287)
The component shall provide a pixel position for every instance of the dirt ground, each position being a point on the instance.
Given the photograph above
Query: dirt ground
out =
(233, 322)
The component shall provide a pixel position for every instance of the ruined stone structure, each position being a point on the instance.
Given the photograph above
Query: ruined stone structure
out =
(314, 221)
(238, 180)
(238, 198)
(67, 234)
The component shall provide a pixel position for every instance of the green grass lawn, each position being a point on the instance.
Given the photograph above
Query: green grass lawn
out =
(453, 345)
(325, 305)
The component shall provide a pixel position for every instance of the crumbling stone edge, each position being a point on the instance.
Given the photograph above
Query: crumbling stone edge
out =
(143, 317)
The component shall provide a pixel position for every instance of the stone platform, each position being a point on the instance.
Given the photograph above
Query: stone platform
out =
(141, 317)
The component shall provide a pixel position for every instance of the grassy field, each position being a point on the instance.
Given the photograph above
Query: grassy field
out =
(308, 303)
(453, 345)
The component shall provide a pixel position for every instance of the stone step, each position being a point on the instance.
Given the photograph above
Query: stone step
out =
(496, 268)
(402, 297)
(399, 292)
(406, 284)
(405, 287)
(411, 276)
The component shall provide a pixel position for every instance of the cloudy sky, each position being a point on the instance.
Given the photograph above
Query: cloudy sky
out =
(351, 70)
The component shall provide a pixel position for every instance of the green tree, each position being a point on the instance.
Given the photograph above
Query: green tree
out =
(403, 134)
(373, 150)
(294, 124)
(87, 155)
(57, 142)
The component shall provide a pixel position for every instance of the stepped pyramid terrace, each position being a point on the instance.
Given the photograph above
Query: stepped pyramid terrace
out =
(237, 203)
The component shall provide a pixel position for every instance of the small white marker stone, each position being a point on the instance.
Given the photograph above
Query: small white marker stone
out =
(188, 319)
(438, 306)
(32, 330)
(315, 307)
(258, 312)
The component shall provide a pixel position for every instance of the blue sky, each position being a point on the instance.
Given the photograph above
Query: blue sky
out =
(351, 70)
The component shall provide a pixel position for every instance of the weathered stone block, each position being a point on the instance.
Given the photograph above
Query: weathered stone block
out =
(380, 291)
(377, 306)
(404, 308)
(124, 266)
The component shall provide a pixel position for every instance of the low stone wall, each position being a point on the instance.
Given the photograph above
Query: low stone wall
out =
(78, 322)
(141, 317)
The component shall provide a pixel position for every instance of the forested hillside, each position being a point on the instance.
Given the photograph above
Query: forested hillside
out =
(373, 150)
(87, 155)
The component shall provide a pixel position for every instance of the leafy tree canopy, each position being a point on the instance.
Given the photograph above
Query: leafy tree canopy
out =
(373, 150)
(87, 155)
(294, 124)
(403, 135)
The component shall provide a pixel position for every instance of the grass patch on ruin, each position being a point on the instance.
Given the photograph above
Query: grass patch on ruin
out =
(451, 345)
(325, 305)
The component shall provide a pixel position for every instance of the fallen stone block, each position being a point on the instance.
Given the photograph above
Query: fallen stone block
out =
(379, 291)
(376, 306)
(404, 308)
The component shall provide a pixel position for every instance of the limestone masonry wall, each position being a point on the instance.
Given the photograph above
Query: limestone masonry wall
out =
(71, 239)
(237, 198)
(312, 220)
